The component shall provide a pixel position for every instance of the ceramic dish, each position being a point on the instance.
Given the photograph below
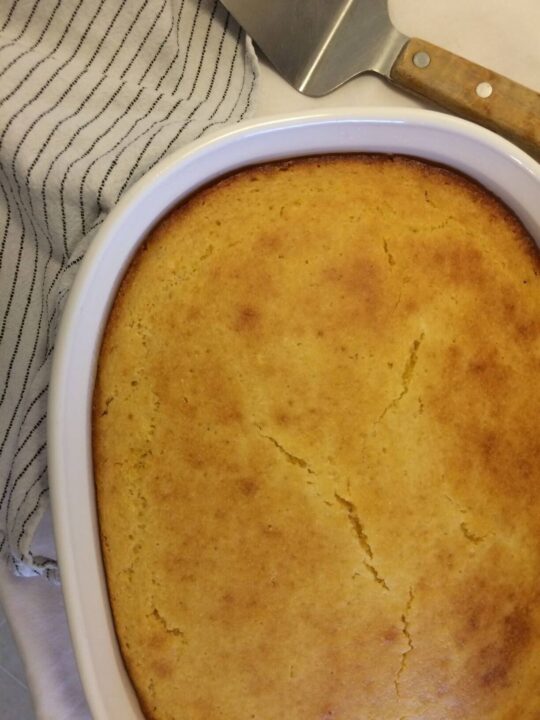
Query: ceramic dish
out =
(495, 163)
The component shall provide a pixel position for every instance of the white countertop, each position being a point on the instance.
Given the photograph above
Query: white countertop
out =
(501, 35)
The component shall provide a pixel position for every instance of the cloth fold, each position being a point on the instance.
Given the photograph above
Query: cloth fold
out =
(92, 95)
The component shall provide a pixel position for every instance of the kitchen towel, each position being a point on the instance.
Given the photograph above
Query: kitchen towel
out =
(93, 93)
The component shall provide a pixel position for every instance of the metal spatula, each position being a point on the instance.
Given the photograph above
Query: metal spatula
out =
(317, 45)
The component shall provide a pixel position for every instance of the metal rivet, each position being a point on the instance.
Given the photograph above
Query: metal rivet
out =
(421, 59)
(484, 89)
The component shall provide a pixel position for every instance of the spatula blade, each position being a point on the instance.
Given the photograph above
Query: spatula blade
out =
(318, 45)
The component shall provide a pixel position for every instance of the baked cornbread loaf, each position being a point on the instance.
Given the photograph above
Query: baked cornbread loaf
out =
(317, 454)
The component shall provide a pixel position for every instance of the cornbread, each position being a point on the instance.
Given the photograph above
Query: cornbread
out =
(316, 450)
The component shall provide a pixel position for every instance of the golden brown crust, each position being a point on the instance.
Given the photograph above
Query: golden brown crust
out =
(316, 450)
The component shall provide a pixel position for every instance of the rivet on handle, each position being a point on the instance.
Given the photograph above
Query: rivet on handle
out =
(484, 89)
(421, 59)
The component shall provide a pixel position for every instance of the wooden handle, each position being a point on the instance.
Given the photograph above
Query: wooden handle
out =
(471, 91)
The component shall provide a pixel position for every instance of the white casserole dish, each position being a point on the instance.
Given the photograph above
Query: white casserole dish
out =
(498, 165)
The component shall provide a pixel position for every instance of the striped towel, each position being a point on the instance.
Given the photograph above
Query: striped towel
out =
(93, 93)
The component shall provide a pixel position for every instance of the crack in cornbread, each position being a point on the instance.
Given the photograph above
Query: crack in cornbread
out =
(406, 375)
(316, 450)
(410, 647)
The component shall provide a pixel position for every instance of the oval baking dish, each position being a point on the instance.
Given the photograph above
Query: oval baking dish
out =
(496, 164)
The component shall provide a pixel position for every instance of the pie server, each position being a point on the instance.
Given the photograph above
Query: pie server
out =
(317, 45)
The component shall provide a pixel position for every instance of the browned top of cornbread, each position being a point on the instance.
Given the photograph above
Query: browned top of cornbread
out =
(317, 453)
